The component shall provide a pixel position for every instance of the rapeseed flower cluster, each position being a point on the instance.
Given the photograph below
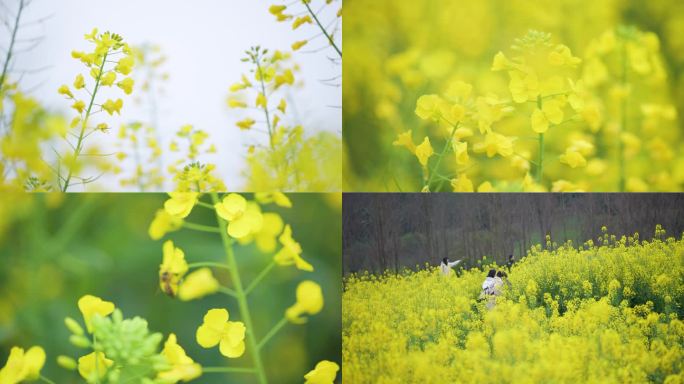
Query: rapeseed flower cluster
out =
(310, 13)
(287, 159)
(108, 65)
(242, 222)
(617, 306)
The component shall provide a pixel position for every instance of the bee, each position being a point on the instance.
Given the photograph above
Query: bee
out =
(169, 283)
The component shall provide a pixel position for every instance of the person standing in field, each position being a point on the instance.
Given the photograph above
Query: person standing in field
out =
(446, 266)
(489, 285)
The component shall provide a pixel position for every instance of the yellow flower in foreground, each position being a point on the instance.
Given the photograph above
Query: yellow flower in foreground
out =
(93, 366)
(79, 82)
(126, 84)
(181, 203)
(246, 123)
(235, 103)
(461, 151)
(405, 139)
(298, 44)
(462, 184)
(78, 105)
(244, 218)
(182, 366)
(163, 223)
(495, 143)
(324, 373)
(573, 158)
(309, 301)
(279, 198)
(301, 20)
(424, 151)
(266, 238)
(216, 329)
(64, 90)
(260, 100)
(550, 112)
(198, 284)
(125, 65)
(90, 305)
(113, 106)
(108, 78)
(485, 187)
(291, 251)
(22, 366)
(172, 268)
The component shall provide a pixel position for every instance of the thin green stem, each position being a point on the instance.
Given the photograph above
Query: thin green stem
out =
(228, 369)
(623, 120)
(205, 205)
(265, 107)
(200, 227)
(240, 296)
(11, 45)
(260, 277)
(447, 145)
(323, 30)
(228, 291)
(540, 155)
(45, 379)
(272, 332)
(207, 264)
(79, 143)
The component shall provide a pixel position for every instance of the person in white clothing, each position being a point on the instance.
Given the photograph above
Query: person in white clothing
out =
(489, 285)
(446, 266)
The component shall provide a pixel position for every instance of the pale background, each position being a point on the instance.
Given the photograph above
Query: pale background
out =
(203, 41)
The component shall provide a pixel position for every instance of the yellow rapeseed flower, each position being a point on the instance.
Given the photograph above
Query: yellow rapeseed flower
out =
(90, 306)
(183, 368)
(324, 373)
(198, 284)
(180, 204)
(309, 301)
(216, 329)
(22, 365)
(93, 366)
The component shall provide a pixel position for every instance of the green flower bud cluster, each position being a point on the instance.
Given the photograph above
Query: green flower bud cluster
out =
(129, 343)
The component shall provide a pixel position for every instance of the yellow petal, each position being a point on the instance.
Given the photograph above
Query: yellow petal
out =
(539, 122)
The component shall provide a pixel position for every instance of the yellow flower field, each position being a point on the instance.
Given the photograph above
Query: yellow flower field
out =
(513, 96)
(609, 312)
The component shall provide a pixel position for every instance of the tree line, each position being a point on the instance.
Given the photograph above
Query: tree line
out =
(395, 230)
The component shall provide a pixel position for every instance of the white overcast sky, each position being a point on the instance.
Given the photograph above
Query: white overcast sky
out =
(203, 41)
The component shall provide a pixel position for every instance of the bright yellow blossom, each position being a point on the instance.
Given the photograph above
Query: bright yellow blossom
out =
(244, 218)
(163, 223)
(90, 306)
(245, 123)
(298, 44)
(93, 366)
(424, 151)
(462, 184)
(79, 82)
(180, 204)
(113, 106)
(324, 373)
(22, 365)
(309, 301)
(127, 85)
(183, 368)
(291, 252)
(216, 329)
(198, 284)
